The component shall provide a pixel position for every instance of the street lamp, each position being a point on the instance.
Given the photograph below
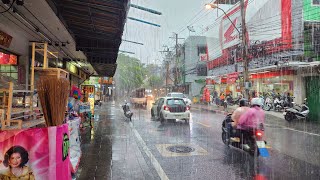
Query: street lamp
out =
(213, 6)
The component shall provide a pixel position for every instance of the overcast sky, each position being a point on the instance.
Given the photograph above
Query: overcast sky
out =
(176, 16)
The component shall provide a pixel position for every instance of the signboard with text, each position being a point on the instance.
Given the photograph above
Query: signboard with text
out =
(269, 30)
(5, 39)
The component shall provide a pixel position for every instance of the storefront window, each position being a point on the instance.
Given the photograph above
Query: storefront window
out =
(279, 85)
(10, 71)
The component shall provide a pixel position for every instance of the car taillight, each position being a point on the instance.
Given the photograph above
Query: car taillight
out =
(259, 133)
(166, 108)
(188, 108)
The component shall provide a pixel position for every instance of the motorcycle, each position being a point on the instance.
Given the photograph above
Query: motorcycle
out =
(251, 140)
(278, 104)
(288, 101)
(98, 102)
(126, 111)
(297, 112)
(268, 104)
(231, 101)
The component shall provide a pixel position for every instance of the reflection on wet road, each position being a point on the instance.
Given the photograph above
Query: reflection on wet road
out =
(147, 149)
(294, 155)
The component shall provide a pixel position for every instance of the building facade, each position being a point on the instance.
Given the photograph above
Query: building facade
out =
(282, 41)
(192, 63)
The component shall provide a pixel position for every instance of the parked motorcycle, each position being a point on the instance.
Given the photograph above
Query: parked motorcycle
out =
(278, 104)
(251, 141)
(231, 101)
(297, 112)
(126, 111)
(268, 104)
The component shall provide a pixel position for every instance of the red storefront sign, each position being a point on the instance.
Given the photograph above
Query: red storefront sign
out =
(271, 74)
(5, 39)
(203, 57)
(8, 59)
(231, 78)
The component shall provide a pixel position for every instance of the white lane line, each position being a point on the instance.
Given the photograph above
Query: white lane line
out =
(313, 134)
(291, 129)
(205, 125)
(154, 161)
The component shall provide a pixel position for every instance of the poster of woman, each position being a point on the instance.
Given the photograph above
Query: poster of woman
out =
(15, 159)
(30, 154)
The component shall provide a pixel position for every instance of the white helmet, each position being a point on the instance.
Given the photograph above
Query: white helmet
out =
(257, 102)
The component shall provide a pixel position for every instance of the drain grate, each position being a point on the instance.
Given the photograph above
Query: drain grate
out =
(180, 149)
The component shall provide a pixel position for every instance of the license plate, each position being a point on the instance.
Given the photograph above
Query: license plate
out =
(261, 144)
(262, 149)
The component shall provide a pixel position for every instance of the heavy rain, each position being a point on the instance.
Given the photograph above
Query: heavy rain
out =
(179, 90)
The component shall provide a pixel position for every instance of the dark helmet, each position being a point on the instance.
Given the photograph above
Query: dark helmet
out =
(243, 102)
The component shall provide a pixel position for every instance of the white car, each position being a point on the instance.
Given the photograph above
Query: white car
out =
(173, 108)
(154, 108)
(180, 95)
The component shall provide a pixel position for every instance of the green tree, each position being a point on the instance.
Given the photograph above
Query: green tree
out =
(130, 73)
(155, 81)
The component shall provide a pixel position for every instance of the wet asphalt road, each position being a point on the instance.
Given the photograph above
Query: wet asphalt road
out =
(293, 154)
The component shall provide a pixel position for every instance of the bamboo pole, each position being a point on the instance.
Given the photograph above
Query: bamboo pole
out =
(9, 103)
(45, 56)
(32, 75)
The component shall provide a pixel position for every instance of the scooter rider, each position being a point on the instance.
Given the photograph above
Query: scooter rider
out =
(249, 118)
(254, 117)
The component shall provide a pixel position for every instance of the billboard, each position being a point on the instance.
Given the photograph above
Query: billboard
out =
(268, 25)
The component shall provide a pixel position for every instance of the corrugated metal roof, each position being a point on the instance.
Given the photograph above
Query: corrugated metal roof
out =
(97, 27)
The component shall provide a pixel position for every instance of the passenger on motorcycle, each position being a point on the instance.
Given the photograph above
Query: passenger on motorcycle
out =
(238, 112)
(254, 117)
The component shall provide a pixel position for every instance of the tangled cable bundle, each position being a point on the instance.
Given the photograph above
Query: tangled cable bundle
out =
(53, 94)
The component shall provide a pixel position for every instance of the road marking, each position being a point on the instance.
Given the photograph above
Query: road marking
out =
(291, 129)
(313, 134)
(153, 160)
(268, 147)
(205, 125)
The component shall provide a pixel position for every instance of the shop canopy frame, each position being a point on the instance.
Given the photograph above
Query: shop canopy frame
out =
(97, 27)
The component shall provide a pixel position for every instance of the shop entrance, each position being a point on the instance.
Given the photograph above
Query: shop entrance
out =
(313, 97)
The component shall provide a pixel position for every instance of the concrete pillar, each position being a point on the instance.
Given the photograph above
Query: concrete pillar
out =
(299, 90)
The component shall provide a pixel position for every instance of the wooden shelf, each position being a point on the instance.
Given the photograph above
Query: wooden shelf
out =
(22, 91)
(19, 110)
(27, 124)
(60, 73)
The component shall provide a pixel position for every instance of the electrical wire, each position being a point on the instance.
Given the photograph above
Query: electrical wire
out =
(8, 8)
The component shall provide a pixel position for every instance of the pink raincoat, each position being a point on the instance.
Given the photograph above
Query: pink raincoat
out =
(252, 118)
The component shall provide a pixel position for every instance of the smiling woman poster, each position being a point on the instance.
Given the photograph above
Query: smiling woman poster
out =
(39, 153)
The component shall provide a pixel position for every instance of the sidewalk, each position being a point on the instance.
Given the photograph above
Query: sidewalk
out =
(273, 119)
(110, 150)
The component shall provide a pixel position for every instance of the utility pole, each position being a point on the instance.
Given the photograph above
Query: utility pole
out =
(244, 49)
(167, 75)
(176, 74)
(166, 61)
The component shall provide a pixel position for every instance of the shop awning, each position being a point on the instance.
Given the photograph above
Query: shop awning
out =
(97, 27)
